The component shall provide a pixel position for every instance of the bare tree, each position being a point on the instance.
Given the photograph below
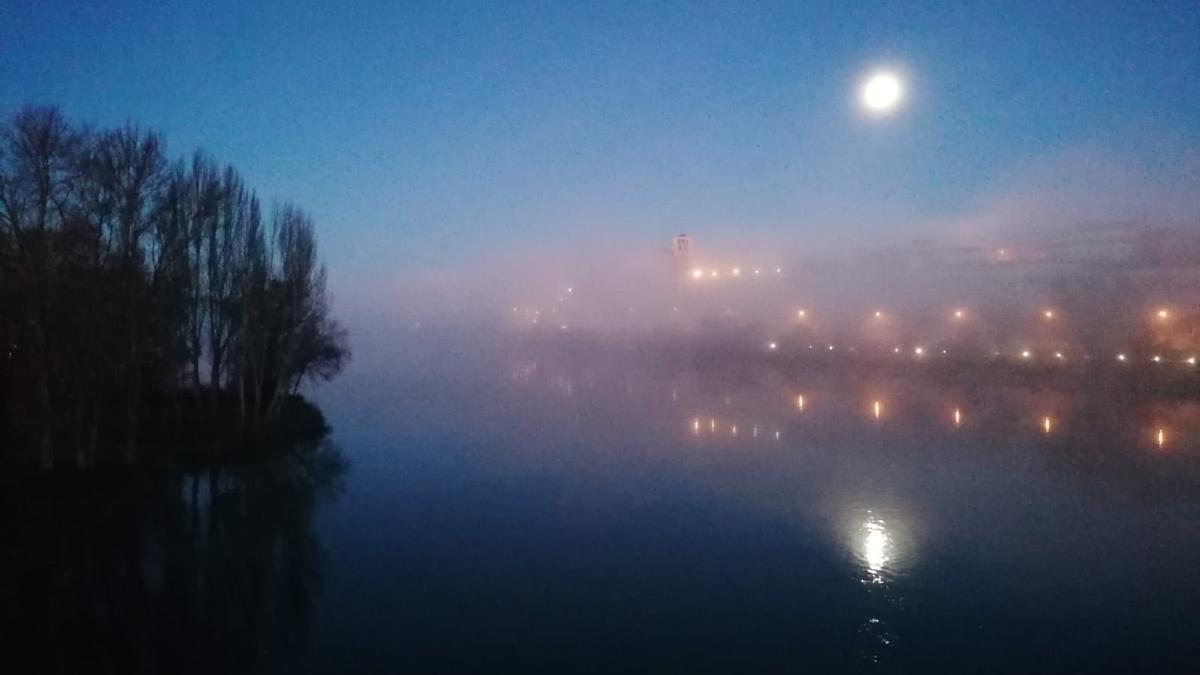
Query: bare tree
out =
(36, 171)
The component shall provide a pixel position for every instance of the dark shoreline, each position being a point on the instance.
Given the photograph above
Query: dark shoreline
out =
(183, 436)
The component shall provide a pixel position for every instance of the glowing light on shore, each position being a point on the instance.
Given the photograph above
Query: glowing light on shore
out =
(919, 351)
(1163, 314)
(1156, 358)
(757, 272)
(1046, 424)
(712, 425)
(800, 314)
(878, 314)
(1025, 354)
(772, 346)
(896, 350)
(696, 425)
(958, 417)
(778, 270)
(1058, 355)
(737, 272)
(800, 402)
(1191, 360)
(877, 408)
(697, 273)
(958, 314)
(1048, 314)
(733, 430)
(715, 273)
(1160, 437)
(1121, 358)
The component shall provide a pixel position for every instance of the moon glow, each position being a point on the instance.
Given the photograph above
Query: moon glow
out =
(881, 93)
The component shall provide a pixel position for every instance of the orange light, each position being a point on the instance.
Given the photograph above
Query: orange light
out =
(1049, 314)
(800, 402)
(1046, 424)
(1160, 437)
(957, 417)
(877, 408)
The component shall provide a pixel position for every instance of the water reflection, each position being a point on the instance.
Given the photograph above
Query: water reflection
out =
(875, 547)
(206, 571)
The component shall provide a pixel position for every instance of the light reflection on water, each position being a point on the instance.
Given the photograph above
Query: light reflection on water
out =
(876, 547)
(705, 501)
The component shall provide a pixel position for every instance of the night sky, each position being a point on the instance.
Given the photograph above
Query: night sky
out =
(423, 133)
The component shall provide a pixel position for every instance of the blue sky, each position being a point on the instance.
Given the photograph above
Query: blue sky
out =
(419, 133)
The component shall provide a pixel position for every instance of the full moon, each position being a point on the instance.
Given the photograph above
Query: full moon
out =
(882, 93)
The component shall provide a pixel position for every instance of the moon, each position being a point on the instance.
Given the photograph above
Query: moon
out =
(882, 93)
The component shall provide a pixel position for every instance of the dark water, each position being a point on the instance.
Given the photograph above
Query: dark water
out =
(528, 512)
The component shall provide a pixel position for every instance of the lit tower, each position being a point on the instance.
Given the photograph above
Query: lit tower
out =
(681, 248)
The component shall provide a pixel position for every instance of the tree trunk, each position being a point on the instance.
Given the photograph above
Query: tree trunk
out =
(132, 410)
(46, 442)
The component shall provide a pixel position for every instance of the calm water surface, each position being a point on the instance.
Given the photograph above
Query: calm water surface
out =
(529, 512)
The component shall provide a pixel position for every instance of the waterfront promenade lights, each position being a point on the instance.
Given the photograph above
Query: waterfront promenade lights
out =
(1163, 314)
(1048, 315)
(959, 315)
(801, 314)
(697, 273)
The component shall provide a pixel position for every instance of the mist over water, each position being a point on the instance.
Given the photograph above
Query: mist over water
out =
(913, 455)
(566, 496)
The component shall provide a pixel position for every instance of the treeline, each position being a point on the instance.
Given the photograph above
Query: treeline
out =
(126, 277)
